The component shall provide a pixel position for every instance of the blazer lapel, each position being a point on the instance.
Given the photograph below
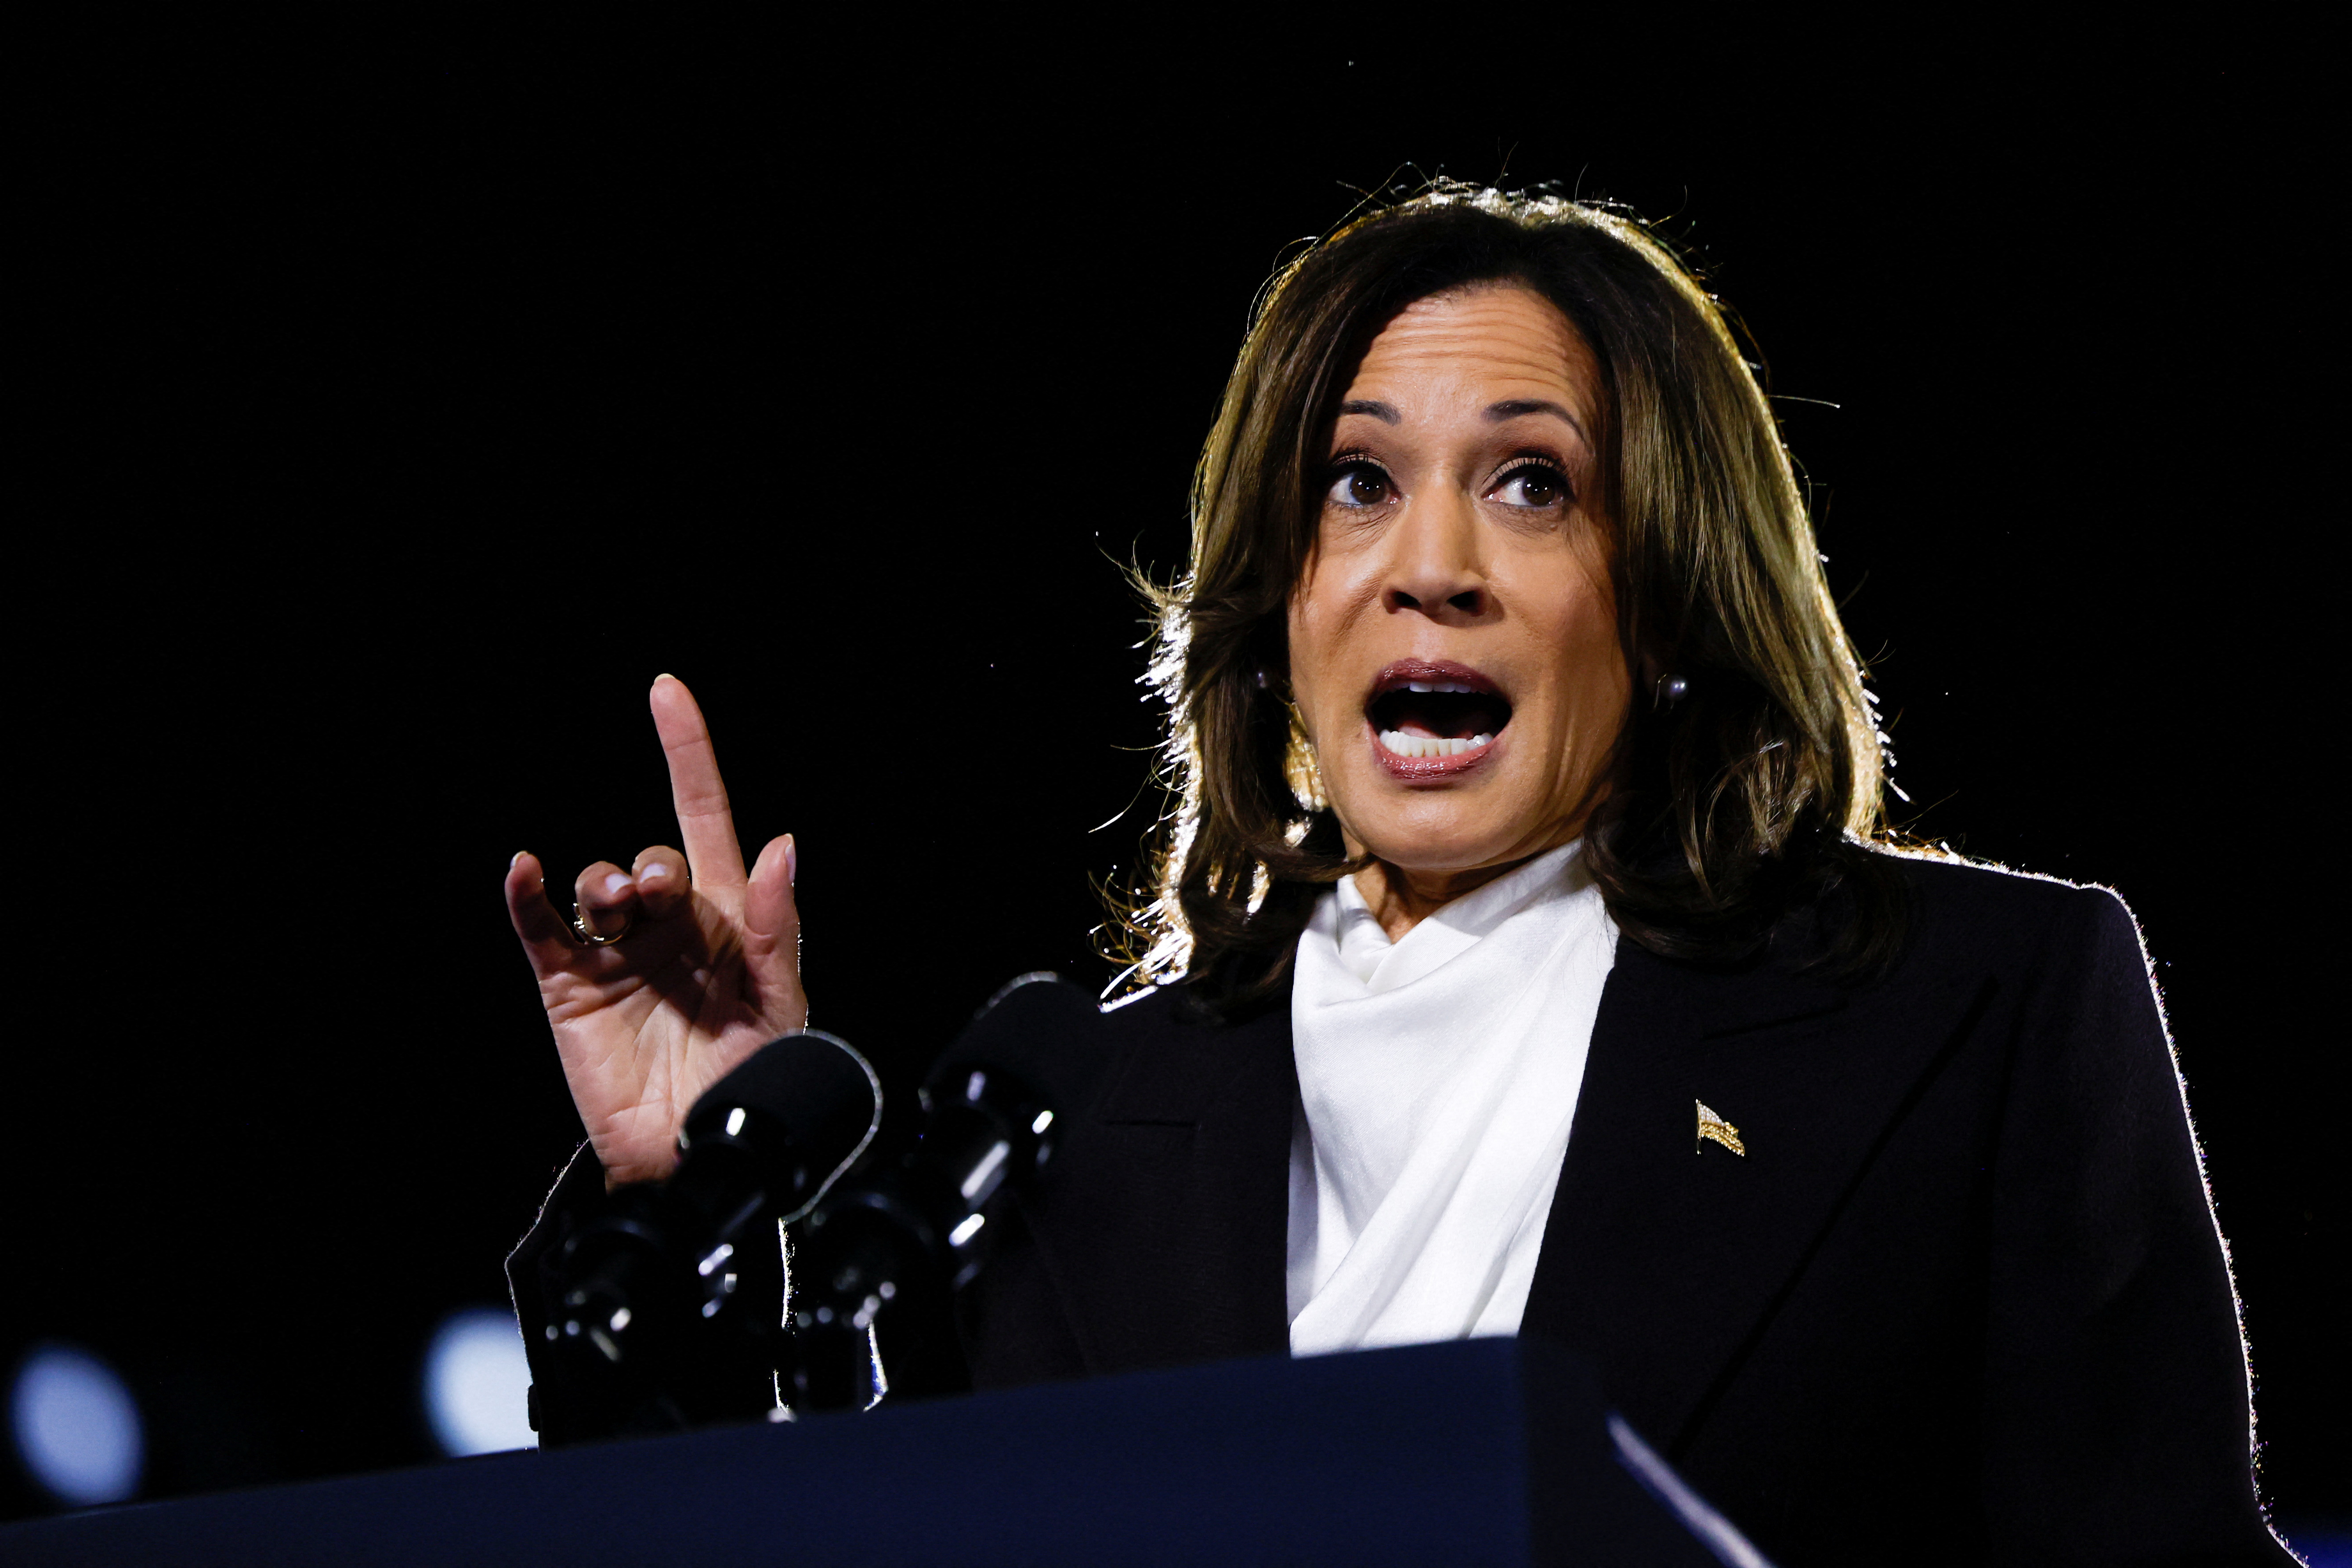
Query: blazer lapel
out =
(1665, 1253)
(1177, 1196)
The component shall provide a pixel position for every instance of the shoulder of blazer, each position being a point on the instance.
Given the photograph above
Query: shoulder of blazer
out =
(1975, 913)
(1172, 1065)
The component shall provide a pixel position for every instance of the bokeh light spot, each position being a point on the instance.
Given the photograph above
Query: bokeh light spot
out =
(477, 1383)
(76, 1426)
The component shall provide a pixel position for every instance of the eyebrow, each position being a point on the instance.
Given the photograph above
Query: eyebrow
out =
(1384, 412)
(1513, 408)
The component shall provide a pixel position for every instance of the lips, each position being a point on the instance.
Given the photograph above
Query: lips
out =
(1435, 719)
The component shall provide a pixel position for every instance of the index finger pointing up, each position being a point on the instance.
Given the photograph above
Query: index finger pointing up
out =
(704, 822)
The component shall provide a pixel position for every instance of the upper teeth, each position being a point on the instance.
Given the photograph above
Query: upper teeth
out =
(1454, 686)
(1398, 743)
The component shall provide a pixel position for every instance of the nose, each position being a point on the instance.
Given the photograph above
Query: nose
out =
(1434, 565)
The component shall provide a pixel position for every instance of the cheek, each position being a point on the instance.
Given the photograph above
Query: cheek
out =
(1318, 637)
(1594, 680)
(1598, 681)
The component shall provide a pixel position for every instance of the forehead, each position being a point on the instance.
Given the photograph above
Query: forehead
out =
(1490, 342)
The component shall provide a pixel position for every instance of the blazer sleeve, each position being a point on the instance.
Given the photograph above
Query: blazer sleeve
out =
(2117, 1416)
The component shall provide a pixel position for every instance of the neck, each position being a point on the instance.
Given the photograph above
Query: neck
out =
(1401, 896)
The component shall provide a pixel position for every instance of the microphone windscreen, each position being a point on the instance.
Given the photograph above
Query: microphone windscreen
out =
(1042, 1030)
(825, 1095)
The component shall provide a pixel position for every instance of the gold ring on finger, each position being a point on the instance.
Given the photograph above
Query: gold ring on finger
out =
(580, 929)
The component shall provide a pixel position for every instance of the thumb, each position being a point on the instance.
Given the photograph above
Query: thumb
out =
(772, 936)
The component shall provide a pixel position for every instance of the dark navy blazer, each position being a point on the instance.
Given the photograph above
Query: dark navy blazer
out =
(1961, 1299)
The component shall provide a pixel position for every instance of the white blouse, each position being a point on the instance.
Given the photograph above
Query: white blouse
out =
(1437, 1079)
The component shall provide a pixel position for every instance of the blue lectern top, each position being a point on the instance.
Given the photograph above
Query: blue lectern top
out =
(1483, 1451)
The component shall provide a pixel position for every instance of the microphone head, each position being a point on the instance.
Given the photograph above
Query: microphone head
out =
(805, 1104)
(1040, 1029)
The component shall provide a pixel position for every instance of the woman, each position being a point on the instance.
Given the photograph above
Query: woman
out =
(1528, 957)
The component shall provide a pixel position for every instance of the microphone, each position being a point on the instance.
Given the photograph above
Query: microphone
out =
(993, 1117)
(643, 1300)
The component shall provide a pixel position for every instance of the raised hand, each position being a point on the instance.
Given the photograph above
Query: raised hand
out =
(707, 972)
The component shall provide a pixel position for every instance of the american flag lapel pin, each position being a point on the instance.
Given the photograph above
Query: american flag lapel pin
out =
(1714, 1128)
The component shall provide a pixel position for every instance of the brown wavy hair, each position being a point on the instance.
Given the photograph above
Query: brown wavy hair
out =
(1747, 783)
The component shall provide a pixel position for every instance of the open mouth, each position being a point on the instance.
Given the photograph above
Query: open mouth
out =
(1436, 710)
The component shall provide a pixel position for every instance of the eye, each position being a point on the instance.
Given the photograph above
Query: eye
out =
(1537, 486)
(1360, 483)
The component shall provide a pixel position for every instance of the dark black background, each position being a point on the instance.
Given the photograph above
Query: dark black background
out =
(410, 399)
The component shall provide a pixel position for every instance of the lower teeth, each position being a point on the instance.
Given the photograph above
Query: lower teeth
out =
(1396, 742)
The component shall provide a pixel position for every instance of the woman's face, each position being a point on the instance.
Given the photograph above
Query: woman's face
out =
(1453, 646)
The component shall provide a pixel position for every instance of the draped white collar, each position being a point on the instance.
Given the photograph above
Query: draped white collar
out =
(1437, 1077)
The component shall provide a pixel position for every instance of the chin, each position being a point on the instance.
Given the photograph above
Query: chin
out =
(1439, 840)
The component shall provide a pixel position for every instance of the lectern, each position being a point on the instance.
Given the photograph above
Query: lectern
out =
(1482, 1451)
